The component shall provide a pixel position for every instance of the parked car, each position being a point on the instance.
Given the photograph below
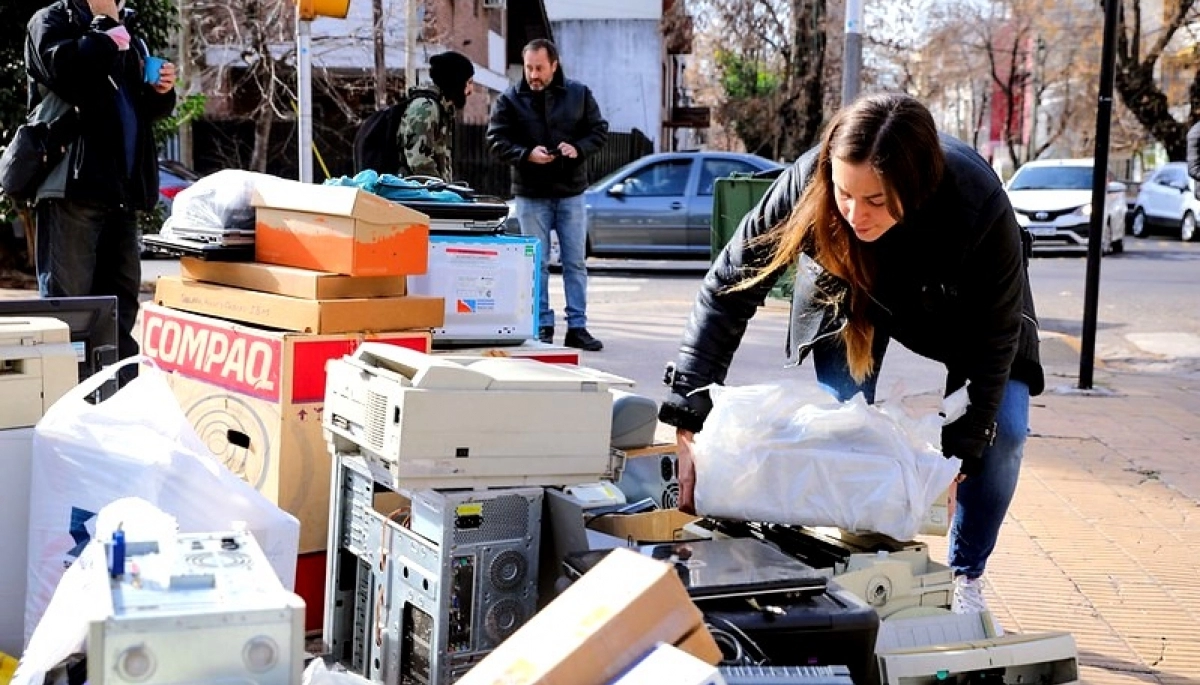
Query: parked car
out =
(1167, 202)
(661, 204)
(1053, 200)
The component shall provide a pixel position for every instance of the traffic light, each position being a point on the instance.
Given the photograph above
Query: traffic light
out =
(310, 9)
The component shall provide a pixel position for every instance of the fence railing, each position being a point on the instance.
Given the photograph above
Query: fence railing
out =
(474, 163)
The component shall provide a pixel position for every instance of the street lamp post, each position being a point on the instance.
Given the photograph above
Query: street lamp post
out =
(852, 51)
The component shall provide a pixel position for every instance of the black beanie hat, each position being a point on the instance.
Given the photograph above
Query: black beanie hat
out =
(450, 72)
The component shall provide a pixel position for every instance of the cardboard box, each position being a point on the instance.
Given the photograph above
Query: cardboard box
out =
(339, 229)
(291, 281)
(662, 525)
(293, 314)
(256, 397)
(600, 626)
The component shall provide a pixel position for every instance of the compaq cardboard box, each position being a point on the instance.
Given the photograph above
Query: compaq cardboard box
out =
(294, 314)
(305, 284)
(256, 397)
(339, 229)
(600, 626)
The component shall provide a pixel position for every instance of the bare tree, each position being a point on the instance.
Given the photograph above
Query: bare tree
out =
(769, 58)
(1140, 49)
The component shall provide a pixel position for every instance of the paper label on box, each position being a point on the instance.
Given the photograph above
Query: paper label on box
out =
(232, 359)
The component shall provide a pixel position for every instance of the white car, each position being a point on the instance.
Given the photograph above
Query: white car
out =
(1053, 200)
(1167, 201)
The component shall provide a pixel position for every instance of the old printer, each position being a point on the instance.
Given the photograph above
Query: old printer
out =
(425, 422)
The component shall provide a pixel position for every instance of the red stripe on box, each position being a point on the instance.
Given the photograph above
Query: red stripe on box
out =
(309, 357)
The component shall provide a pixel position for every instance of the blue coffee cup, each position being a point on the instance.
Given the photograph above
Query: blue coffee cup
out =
(154, 66)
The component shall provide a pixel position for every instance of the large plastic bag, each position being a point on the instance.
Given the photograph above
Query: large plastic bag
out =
(767, 453)
(221, 200)
(137, 443)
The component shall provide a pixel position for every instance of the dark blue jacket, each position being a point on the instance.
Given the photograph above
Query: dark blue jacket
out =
(67, 52)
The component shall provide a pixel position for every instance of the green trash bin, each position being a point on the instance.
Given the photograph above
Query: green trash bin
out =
(733, 198)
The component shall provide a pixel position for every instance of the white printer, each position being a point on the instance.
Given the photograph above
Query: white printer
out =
(422, 421)
(37, 365)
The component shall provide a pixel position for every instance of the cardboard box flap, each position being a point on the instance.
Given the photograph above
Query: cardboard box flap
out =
(335, 201)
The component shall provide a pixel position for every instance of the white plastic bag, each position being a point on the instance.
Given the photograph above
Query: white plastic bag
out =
(217, 201)
(769, 454)
(137, 443)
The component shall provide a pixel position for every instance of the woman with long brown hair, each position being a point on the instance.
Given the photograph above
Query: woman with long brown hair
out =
(900, 233)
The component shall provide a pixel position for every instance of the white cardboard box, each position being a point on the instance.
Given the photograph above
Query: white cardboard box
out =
(490, 286)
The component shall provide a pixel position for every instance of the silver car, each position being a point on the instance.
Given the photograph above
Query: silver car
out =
(1052, 199)
(661, 204)
(1167, 202)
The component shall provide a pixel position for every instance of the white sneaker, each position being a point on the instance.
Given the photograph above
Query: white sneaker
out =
(968, 599)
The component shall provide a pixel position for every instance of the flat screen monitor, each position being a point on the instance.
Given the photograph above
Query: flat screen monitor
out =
(93, 324)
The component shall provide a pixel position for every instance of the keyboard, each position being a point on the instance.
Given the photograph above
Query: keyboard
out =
(786, 675)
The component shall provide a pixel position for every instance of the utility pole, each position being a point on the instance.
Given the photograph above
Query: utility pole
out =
(304, 94)
(185, 75)
(852, 51)
(1091, 293)
(380, 55)
(410, 43)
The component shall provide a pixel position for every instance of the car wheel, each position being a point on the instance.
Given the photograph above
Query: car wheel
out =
(1118, 246)
(1139, 224)
(1187, 227)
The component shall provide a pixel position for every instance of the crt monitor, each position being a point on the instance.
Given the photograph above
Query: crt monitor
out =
(92, 320)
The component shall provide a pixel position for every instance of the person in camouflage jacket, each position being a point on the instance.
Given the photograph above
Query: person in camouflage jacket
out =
(425, 137)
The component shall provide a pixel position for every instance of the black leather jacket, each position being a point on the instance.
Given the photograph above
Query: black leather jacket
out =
(951, 284)
(517, 125)
(67, 52)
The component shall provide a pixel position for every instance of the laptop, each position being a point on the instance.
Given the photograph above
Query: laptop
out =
(721, 568)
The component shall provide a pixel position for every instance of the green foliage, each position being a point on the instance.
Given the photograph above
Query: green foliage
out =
(742, 77)
(187, 109)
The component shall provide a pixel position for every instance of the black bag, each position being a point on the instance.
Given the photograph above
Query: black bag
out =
(375, 143)
(36, 148)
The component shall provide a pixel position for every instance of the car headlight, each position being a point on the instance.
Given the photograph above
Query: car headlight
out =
(1085, 210)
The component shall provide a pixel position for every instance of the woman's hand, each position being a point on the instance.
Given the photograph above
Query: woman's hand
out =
(686, 469)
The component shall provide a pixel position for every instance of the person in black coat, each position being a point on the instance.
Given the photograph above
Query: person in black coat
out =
(900, 233)
(1193, 155)
(546, 127)
(87, 243)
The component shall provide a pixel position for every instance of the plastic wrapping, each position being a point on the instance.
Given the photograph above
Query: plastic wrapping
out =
(218, 201)
(768, 453)
(137, 443)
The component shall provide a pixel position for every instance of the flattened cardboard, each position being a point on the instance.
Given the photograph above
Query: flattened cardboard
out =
(305, 284)
(599, 627)
(255, 397)
(293, 314)
(339, 229)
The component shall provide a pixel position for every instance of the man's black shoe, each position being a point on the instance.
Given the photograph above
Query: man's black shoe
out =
(546, 334)
(580, 338)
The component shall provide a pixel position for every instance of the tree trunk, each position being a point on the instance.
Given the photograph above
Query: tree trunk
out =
(262, 139)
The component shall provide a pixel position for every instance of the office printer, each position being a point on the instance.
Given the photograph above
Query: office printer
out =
(422, 421)
(37, 365)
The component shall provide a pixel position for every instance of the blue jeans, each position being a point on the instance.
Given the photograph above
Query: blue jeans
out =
(982, 500)
(85, 250)
(539, 216)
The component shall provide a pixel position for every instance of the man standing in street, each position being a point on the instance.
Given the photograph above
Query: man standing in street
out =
(82, 51)
(426, 132)
(546, 127)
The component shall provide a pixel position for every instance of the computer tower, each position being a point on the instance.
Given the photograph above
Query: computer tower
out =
(654, 476)
(472, 586)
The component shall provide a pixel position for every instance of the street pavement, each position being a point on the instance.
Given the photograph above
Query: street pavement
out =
(1103, 538)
